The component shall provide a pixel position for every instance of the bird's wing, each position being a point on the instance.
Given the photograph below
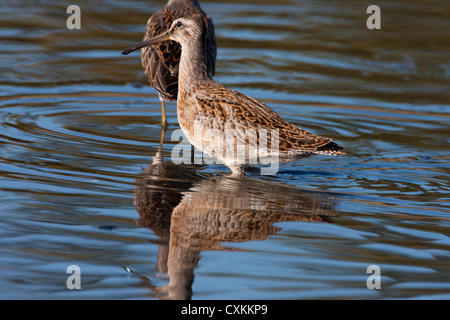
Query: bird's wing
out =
(236, 110)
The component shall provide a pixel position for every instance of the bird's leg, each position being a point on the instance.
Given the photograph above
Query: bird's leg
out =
(163, 123)
(161, 138)
(163, 115)
(236, 171)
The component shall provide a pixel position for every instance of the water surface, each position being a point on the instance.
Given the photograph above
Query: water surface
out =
(82, 181)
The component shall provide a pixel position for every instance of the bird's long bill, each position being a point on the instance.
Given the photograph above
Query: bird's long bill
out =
(160, 38)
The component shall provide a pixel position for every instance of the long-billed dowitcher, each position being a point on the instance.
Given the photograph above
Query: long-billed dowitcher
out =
(215, 118)
(161, 61)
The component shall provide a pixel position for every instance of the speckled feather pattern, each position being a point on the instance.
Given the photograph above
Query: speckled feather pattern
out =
(228, 125)
(161, 61)
(217, 107)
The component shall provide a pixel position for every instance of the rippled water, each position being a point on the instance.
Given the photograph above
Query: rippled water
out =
(82, 182)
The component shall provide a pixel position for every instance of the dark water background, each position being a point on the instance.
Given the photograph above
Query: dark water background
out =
(81, 182)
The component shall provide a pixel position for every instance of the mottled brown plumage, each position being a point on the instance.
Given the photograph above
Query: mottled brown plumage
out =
(226, 106)
(161, 61)
(208, 111)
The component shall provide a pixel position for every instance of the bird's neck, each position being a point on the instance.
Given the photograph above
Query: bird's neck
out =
(193, 70)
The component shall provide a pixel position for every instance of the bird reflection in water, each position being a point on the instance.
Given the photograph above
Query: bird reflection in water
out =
(190, 214)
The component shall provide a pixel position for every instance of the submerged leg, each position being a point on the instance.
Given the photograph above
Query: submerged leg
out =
(237, 171)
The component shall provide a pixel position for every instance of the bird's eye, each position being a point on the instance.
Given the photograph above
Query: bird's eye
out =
(179, 24)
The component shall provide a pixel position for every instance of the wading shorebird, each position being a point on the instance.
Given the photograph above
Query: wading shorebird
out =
(217, 120)
(161, 61)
